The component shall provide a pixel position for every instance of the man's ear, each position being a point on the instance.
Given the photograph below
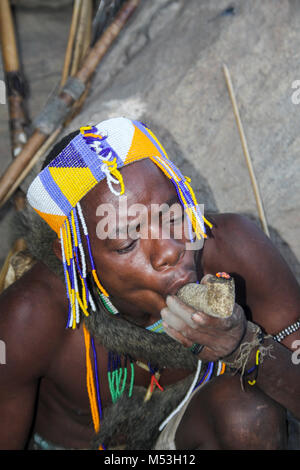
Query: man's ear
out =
(57, 248)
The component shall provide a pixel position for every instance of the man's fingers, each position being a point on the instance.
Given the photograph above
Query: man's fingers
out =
(183, 311)
(195, 334)
(194, 318)
(172, 320)
(178, 336)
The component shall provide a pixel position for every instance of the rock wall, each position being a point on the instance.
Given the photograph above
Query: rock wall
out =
(166, 69)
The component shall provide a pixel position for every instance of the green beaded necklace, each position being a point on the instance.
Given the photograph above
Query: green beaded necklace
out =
(115, 370)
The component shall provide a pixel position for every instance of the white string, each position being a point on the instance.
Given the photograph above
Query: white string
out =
(110, 179)
(91, 301)
(219, 368)
(62, 246)
(199, 218)
(190, 391)
(82, 257)
(85, 230)
(71, 317)
(64, 261)
(77, 317)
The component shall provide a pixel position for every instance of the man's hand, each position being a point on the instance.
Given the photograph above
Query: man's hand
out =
(220, 336)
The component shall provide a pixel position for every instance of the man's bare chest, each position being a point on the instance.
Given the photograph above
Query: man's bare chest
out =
(65, 388)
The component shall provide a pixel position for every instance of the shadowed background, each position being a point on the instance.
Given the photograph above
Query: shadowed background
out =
(166, 70)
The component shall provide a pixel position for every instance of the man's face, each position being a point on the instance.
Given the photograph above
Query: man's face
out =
(143, 258)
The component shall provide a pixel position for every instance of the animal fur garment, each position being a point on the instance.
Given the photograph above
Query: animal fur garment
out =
(134, 423)
(129, 417)
(122, 337)
(113, 332)
(39, 238)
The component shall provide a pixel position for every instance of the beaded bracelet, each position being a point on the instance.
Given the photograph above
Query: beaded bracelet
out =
(287, 331)
(254, 368)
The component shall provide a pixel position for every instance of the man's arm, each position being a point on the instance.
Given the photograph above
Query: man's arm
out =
(273, 296)
(271, 290)
(272, 293)
(26, 332)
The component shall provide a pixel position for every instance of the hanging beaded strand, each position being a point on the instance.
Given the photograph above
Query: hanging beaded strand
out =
(186, 196)
(75, 270)
(93, 391)
(75, 260)
(85, 231)
(117, 376)
(67, 254)
(80, 260)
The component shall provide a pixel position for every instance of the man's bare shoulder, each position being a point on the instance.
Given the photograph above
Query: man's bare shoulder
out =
(237, 245)
(230, 233)
(240, 243)
(32, 320)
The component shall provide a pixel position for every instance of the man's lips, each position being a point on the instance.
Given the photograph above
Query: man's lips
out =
(174, 288)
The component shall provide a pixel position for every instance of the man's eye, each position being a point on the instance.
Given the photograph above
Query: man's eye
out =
(177, 219)
(127, 248)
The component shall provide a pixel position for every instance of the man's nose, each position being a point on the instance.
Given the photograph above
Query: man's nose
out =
(166, 252)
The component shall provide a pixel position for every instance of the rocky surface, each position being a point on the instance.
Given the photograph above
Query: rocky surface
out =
(166, 69)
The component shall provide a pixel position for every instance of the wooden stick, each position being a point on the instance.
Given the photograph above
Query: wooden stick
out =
(83, 36)
(80, 34)
(17, 166)
(88, 30)
(105, 41)
(84, 74)
(72, 34)
(258, 198)
(85, 40)
(13, 77)
(38, 155)
(9, 52)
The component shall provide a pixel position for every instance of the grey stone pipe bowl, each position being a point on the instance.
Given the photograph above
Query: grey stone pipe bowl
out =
(214, 296)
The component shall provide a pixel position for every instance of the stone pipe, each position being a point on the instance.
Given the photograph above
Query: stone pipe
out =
(215, 295)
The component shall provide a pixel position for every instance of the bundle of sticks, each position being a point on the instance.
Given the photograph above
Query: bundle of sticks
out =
(81, 61)
(89, 40)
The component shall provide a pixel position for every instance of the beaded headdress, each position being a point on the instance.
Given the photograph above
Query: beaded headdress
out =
(97, 153)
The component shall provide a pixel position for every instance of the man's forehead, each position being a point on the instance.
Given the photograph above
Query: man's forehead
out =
(143, 182)
(146, 188)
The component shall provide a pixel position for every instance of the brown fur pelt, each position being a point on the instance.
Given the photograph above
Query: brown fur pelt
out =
(133, 422)
(113, 332)
(131, 417)
(39, 238)
(123, 337)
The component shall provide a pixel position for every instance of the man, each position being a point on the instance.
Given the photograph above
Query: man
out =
(61, 385)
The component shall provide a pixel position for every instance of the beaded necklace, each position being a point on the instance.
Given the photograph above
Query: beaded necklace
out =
(118, 374)
(98, 153)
